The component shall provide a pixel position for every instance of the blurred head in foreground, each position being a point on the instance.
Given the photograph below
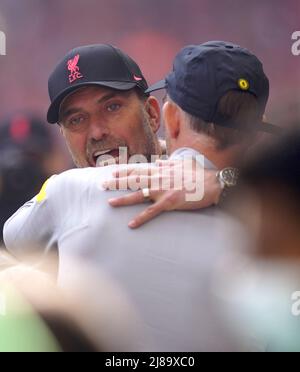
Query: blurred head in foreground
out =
(262, 287)
(270, 193)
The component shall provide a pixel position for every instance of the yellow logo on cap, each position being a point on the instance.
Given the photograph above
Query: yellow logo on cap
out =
(244, 84)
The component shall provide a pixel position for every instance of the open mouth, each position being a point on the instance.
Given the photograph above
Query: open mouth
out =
(107, 157)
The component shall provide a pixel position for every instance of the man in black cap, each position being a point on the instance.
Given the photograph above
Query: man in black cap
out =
(162, 267)
(98, 98)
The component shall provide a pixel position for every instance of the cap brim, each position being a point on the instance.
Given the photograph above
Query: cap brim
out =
(158, 86)
(53, 111)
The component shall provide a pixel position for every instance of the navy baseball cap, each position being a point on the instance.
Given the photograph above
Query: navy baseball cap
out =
(203, 74)
(100, 64)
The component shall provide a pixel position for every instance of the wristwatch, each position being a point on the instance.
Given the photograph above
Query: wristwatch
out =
(228, 178)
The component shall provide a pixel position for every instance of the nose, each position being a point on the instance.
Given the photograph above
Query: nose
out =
(98, 130)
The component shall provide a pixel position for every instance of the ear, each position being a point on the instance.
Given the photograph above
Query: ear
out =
(153, 110)
(172, 120)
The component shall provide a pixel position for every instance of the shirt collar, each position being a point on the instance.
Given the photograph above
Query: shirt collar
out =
(189, 152)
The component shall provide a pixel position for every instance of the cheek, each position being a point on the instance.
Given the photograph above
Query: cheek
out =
(136, 139)
(127, 129)
(76, 144)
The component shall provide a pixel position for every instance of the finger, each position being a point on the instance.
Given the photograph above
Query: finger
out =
(130, 199)
(145, 171)
(122, 173)
(148, 215)
(115, 184)
(133, 183)
(121, 184)
(166, 163)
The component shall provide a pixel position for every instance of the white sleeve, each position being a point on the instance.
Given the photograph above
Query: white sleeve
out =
(32, 228)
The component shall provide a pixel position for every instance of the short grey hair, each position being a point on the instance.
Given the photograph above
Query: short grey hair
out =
(241, 107)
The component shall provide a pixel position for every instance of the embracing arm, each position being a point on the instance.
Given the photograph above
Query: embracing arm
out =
(30, 229)
(164, 173)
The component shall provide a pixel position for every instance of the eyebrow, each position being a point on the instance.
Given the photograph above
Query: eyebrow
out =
(64, 114)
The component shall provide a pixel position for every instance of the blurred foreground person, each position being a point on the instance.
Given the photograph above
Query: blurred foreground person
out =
(263, 295)
(36, 315)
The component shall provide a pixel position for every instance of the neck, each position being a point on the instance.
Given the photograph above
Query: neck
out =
(207, 147)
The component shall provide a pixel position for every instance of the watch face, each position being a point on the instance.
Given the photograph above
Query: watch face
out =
(229, 176)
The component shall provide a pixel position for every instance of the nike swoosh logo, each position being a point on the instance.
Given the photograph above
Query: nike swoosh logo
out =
(137, 78)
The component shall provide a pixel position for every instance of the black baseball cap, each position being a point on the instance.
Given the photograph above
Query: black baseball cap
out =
(100, 64)
(203, 74)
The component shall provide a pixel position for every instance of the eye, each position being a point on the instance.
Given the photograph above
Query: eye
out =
(113, 107)
(76, 121)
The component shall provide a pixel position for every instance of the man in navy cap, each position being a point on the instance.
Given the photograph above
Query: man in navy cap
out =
(217, 95)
